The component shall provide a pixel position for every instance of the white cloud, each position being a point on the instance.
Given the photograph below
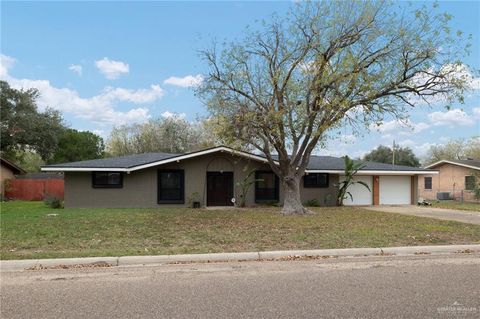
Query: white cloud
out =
(76, 68)
(463, 72)
(168, 114)
(112, 69)
(455, 117)
(347, 139)
(186, 81)
(420, 126)
(385, 127)
(339, 152)
(98, 132)
(420, 150)
(476, 113)
(134, 96)
(406, 127)
(407, 143)
(100, 109)
(6, 63)
(452, 73)
(340, 145)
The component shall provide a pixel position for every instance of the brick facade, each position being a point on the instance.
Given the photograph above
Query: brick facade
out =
(451, 179)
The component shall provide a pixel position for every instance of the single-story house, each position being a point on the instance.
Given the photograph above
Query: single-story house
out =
(456, 179)
(8, 170)
(210, 178)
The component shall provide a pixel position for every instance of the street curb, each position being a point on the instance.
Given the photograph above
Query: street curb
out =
(12, 265)
(168, 259)
(45, 263)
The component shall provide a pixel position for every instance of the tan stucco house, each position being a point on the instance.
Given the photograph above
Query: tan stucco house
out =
(8, 170)
(209, 177)
(456, 179)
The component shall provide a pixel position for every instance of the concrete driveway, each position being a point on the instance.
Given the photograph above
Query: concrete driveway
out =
(437, 213)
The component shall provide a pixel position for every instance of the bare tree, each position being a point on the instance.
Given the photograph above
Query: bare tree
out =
(284, 87)
(173, 135)
(454, 149)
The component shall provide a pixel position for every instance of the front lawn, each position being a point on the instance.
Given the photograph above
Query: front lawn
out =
(30, 230)
(451, 204)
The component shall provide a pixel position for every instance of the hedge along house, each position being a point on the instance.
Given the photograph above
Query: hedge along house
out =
(210, 178)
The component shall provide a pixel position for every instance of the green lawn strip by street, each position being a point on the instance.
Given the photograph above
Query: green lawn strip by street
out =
(28, 230)
(451, 204)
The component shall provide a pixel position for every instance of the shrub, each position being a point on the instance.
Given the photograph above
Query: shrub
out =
(270, 204)
(312, 203)
(53, 202)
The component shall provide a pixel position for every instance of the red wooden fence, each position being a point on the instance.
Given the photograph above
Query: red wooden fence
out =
(34, 189)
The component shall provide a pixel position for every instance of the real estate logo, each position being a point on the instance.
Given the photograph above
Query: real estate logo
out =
(457, 308)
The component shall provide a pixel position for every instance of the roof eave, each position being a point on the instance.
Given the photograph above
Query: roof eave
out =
(13, 166)
(376, 172)
(83, 169)
(452, 163)
(220, 149)
(157, 163)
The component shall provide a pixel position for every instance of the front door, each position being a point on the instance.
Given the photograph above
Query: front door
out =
(219, 188)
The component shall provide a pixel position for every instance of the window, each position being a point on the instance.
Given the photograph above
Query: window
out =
(315, 180)
(107, 180)
(266, 187)
(470, 183)
(428, 183)
(171, 186)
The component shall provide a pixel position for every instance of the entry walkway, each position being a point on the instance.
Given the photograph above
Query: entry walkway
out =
(438, 213)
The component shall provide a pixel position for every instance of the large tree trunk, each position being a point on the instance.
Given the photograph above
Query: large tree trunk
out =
(292, 204)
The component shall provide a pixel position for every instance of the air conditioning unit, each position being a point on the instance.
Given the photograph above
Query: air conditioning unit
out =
(443, 196)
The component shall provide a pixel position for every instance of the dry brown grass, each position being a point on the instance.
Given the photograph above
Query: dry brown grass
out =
(27, 231)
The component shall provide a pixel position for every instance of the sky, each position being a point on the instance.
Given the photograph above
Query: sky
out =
(104, 64)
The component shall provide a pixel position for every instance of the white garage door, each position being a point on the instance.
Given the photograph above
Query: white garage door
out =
(361, 195)
(395, 190)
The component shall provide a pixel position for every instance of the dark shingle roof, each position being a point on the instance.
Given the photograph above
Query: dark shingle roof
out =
(471, 162)
(337, 163)
(118, 162)
(130, 161)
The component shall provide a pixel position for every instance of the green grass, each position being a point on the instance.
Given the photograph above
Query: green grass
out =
(451, 204)
(27, 231)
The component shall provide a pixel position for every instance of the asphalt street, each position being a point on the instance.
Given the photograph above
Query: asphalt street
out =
(374, 287)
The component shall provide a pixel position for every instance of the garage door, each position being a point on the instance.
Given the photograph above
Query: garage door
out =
(395, 190)
(361, 195)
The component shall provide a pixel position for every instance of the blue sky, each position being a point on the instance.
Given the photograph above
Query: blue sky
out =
(105, 64)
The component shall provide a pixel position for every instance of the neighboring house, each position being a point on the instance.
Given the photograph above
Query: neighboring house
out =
(8, 172)
(209, 177)
(456, 178)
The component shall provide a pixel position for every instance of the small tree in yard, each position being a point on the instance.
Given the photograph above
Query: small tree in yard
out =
(245, 185)
(284, 88)
(351, 169)
(476, 185)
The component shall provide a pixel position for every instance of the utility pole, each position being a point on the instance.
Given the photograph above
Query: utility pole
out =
(393, 153)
